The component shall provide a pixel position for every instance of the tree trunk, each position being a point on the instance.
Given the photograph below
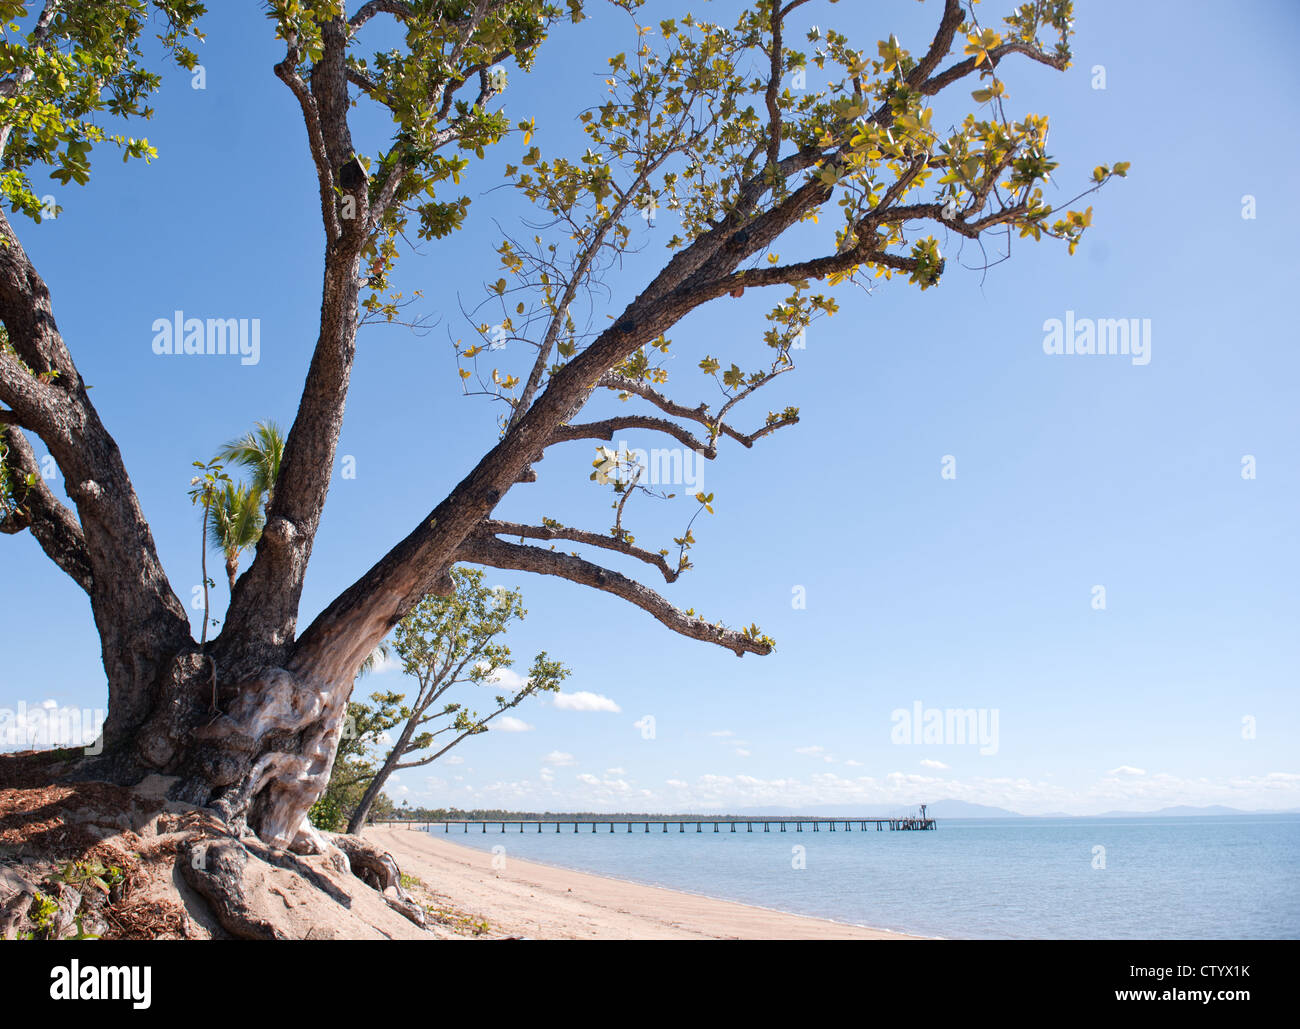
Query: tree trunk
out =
(358, 819)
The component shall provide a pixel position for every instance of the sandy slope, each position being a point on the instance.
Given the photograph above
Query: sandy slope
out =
(544, 902)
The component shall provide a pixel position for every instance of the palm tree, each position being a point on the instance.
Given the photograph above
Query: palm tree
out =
(236, 524)
(260, 452)
(240, 511)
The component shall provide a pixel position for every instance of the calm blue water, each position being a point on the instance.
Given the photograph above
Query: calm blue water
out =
(1165, 878)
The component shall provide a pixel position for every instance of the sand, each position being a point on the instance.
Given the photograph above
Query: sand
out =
(527, 899)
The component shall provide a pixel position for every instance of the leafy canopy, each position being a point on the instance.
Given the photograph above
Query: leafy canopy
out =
(68, 76)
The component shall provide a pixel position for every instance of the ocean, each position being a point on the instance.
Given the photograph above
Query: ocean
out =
(1212, 877)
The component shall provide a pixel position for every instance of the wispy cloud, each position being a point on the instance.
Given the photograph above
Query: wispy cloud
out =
(584, 700)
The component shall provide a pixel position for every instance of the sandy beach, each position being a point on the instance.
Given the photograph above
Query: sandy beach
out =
(526, 899)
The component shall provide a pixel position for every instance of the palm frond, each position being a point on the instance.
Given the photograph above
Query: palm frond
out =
(260, 451)
(380, 653)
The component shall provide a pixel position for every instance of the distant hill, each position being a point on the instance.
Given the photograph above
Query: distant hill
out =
(1183, 811)
(950, 807)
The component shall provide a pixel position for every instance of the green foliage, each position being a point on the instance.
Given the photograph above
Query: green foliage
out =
(446, 640)
(442, 642)
(42, 912)
(696, 129)
(60, 80)
(93, 874)
(437, 127)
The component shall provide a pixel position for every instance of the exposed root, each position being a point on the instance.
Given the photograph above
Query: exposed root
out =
(380, 871)
(93, 860)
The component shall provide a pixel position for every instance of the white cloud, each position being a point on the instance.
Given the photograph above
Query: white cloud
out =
(453, 760)
(616, 771)
(585, 701)
(505, 677)
(929, 763)
(559, 757)
(741, 752)
(386, 663)
(898, 791)
(722, 732)
(1127, 770)
(810, 751)
(508, 723)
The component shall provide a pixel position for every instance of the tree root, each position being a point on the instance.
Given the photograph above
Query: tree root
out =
(378, 869)
(215, 868)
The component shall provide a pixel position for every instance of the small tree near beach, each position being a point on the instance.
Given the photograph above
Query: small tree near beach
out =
(449, 641)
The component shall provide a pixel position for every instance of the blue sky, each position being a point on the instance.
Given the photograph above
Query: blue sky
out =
(973, 592)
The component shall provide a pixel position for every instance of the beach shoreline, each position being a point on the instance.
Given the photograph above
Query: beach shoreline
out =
(540, 901)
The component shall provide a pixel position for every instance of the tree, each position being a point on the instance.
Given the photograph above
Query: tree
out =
(445, 641)
(238, 513)
(697, 121)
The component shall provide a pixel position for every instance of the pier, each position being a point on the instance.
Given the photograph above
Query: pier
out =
(766, 823)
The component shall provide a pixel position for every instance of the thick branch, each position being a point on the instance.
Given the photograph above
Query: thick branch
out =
(141, 621)
(287, 72)
(606, 429)
(36, 508)
(486, 550)
(397, 8)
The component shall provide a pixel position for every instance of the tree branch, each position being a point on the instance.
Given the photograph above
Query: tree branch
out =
(397, 8)
(593, 539)
(487, 550)
(36, 508)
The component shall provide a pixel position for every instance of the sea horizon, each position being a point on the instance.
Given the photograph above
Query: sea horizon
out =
(982, 878)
